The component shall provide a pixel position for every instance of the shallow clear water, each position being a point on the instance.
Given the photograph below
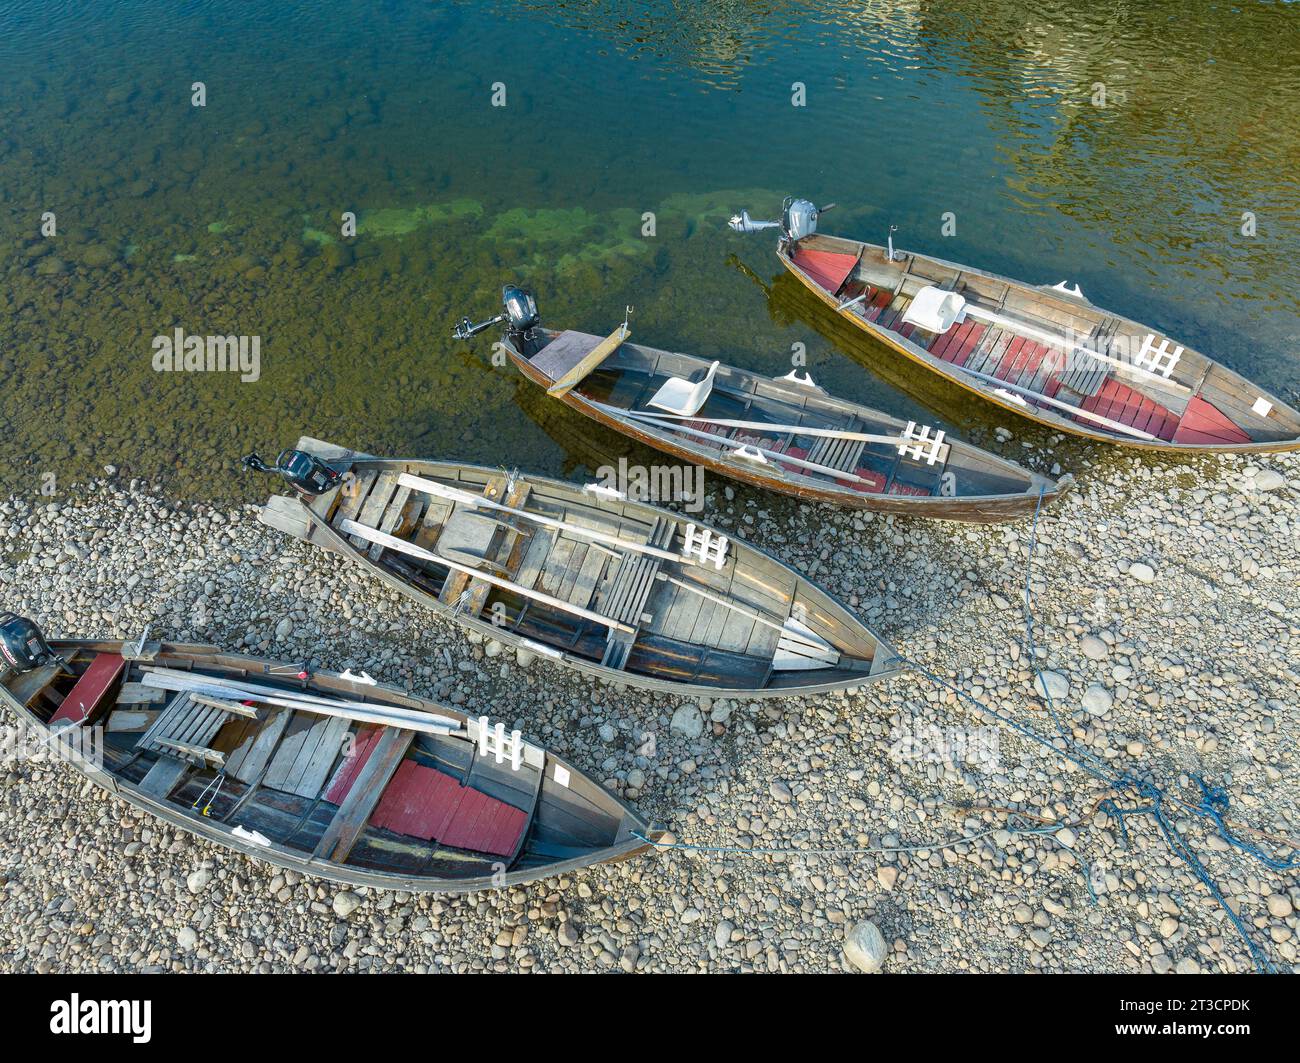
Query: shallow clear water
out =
(225, 219)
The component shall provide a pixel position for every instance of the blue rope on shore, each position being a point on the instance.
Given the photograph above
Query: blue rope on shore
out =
(1214, 800)
(1213, 805)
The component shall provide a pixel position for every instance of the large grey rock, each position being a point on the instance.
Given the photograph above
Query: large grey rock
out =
(864, 947)
(1093, 648)
(1141, 572)
(1097, 700)
(1052, 685)
(688, 721)
(345, 903)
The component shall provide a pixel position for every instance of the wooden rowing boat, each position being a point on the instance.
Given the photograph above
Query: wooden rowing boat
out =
(617, 588)
(785, 434)
(1043, 352)
(324, 774)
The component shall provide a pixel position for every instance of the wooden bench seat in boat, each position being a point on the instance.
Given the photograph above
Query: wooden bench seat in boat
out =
(1203, 422)
(90, 689)
(564, 352)
(830, 269)
(423, 802)
(625, 596)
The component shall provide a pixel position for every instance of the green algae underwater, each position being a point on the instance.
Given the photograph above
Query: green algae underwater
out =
(227, 219)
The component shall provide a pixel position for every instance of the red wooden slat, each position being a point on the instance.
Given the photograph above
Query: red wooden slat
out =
(1007, 358)
(876, 485)
(1203, 422)
(971, 341)
(830, 269)
(944, 340)
(90, 689)
(422, 802)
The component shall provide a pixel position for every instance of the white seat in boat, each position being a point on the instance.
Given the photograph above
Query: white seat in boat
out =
(682, 397)
(934, 309)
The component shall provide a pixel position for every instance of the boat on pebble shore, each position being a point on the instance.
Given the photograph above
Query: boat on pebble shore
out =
(330, 775)
(1043, 352)
(620, 589)
(785, 434)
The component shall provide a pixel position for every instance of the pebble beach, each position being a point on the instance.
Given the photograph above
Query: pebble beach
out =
(1164, 597)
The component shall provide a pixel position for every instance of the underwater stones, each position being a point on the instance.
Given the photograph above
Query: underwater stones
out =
(139, 189)
(292, 251)
(337, 256)
(96, 256)
(51, 266)
(399, 221)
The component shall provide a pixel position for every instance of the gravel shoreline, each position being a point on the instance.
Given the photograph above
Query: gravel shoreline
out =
(1166, 598)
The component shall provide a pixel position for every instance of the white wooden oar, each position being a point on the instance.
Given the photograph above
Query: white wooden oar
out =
(782, 429)
(383, 716)
(1062, 343)
(468, 498)
(1038, 396)
(789, 459)
(392, 542)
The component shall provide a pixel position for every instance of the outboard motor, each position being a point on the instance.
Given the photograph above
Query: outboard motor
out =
(798, 219)
(519, 315)
(23, 645)
(307, 473)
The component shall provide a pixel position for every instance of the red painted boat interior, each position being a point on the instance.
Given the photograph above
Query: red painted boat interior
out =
(422, 802)
(1206, 424)
(830, 269)
(90, 689)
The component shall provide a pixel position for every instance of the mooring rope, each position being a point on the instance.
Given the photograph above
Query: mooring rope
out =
(1212, 806)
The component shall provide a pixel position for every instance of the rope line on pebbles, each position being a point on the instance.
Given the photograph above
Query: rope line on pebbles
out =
(1212, 806)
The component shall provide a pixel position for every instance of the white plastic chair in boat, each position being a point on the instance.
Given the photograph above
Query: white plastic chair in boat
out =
(682, 397)
(935, 309)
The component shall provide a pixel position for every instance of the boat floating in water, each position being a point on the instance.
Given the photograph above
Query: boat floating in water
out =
(617, 588)
(1044, 352)
(331, 775)
(785, 434)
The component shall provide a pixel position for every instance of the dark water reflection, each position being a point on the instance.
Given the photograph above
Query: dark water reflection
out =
(225, 219)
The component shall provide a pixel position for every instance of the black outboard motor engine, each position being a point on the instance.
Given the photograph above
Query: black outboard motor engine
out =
(23, 645)
(519, 316)
(307, 473)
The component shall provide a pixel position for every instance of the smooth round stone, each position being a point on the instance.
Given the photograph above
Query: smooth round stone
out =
(1093, 648)
(1097, 700)
(688, 721)
(1143, 573)
(865, 947)
(1052, 685)
(1269, 480)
